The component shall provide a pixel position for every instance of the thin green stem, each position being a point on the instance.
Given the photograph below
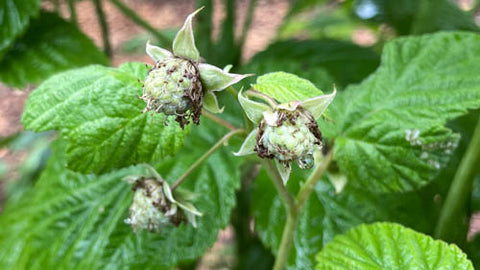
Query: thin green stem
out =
(285, 196)
(73, 13)
(218, 120)
(207, 154)
(460, 189)
(262, 96)
(102, 20)
(138, 20)
(248, 21)
(313, 179)
(294, 207)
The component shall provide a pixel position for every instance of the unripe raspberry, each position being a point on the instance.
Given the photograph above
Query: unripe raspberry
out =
(173, 87)
(151, 208)
(288, 136)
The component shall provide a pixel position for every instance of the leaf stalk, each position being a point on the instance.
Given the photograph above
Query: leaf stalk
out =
(207, 154)
(460, 189)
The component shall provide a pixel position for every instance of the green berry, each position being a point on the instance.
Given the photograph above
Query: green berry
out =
(173, 87)
(293, 136)
(151, 209)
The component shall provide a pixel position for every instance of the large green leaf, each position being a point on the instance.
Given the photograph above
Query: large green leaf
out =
(14, 17)
(328, 213)
(49, 46)
(389, 130)
(344, 62)
(389, 246)
(98, 111)
(75, 221)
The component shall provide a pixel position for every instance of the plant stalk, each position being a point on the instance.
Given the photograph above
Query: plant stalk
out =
(294, 207)
(104, 26)
(460, 189)
(287, 240)
(73, 13)
(218, 120)
(199, 161)
(287, 199)
(139, 21)
(313, 179)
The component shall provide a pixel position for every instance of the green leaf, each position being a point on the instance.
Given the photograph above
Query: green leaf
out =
(323, 62)
(389, 130)
(98, 111)
(389, 246)
(49, 46)
(328, 213)
(75, 221)
(285, 87)
(15, 17)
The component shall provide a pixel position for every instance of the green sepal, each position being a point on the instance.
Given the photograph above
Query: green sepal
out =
(254, 110)
(317, 105)
(210, 103)
(248, 146)
(284, 171)
(215, 79)
(184, 42)
(157, 53)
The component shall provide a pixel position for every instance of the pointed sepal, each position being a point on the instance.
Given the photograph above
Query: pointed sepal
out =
(157, 53)
(184, 42)
(248, 146)
(254, 110)
(317, 105)
(284, 171)
(210, 103)
(215, 79)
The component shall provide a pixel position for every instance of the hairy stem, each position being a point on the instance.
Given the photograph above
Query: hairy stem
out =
(139, 21)
(218, 120)
(199, 161)
(104, 26)
(460, 189)
(73, 13)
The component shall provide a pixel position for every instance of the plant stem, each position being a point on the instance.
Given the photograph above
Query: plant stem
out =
(248, 21)
(312, 180)
(287, 240)
(286, 197)
(138, 20)
(199, 161)
(104, 26)
(73, 13)
(294, 207)
(460, 189)
(218, 120)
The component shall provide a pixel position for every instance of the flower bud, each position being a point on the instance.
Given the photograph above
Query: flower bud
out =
(173, 87)
(288, 135)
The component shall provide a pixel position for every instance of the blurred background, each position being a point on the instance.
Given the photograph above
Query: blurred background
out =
(326, 41)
